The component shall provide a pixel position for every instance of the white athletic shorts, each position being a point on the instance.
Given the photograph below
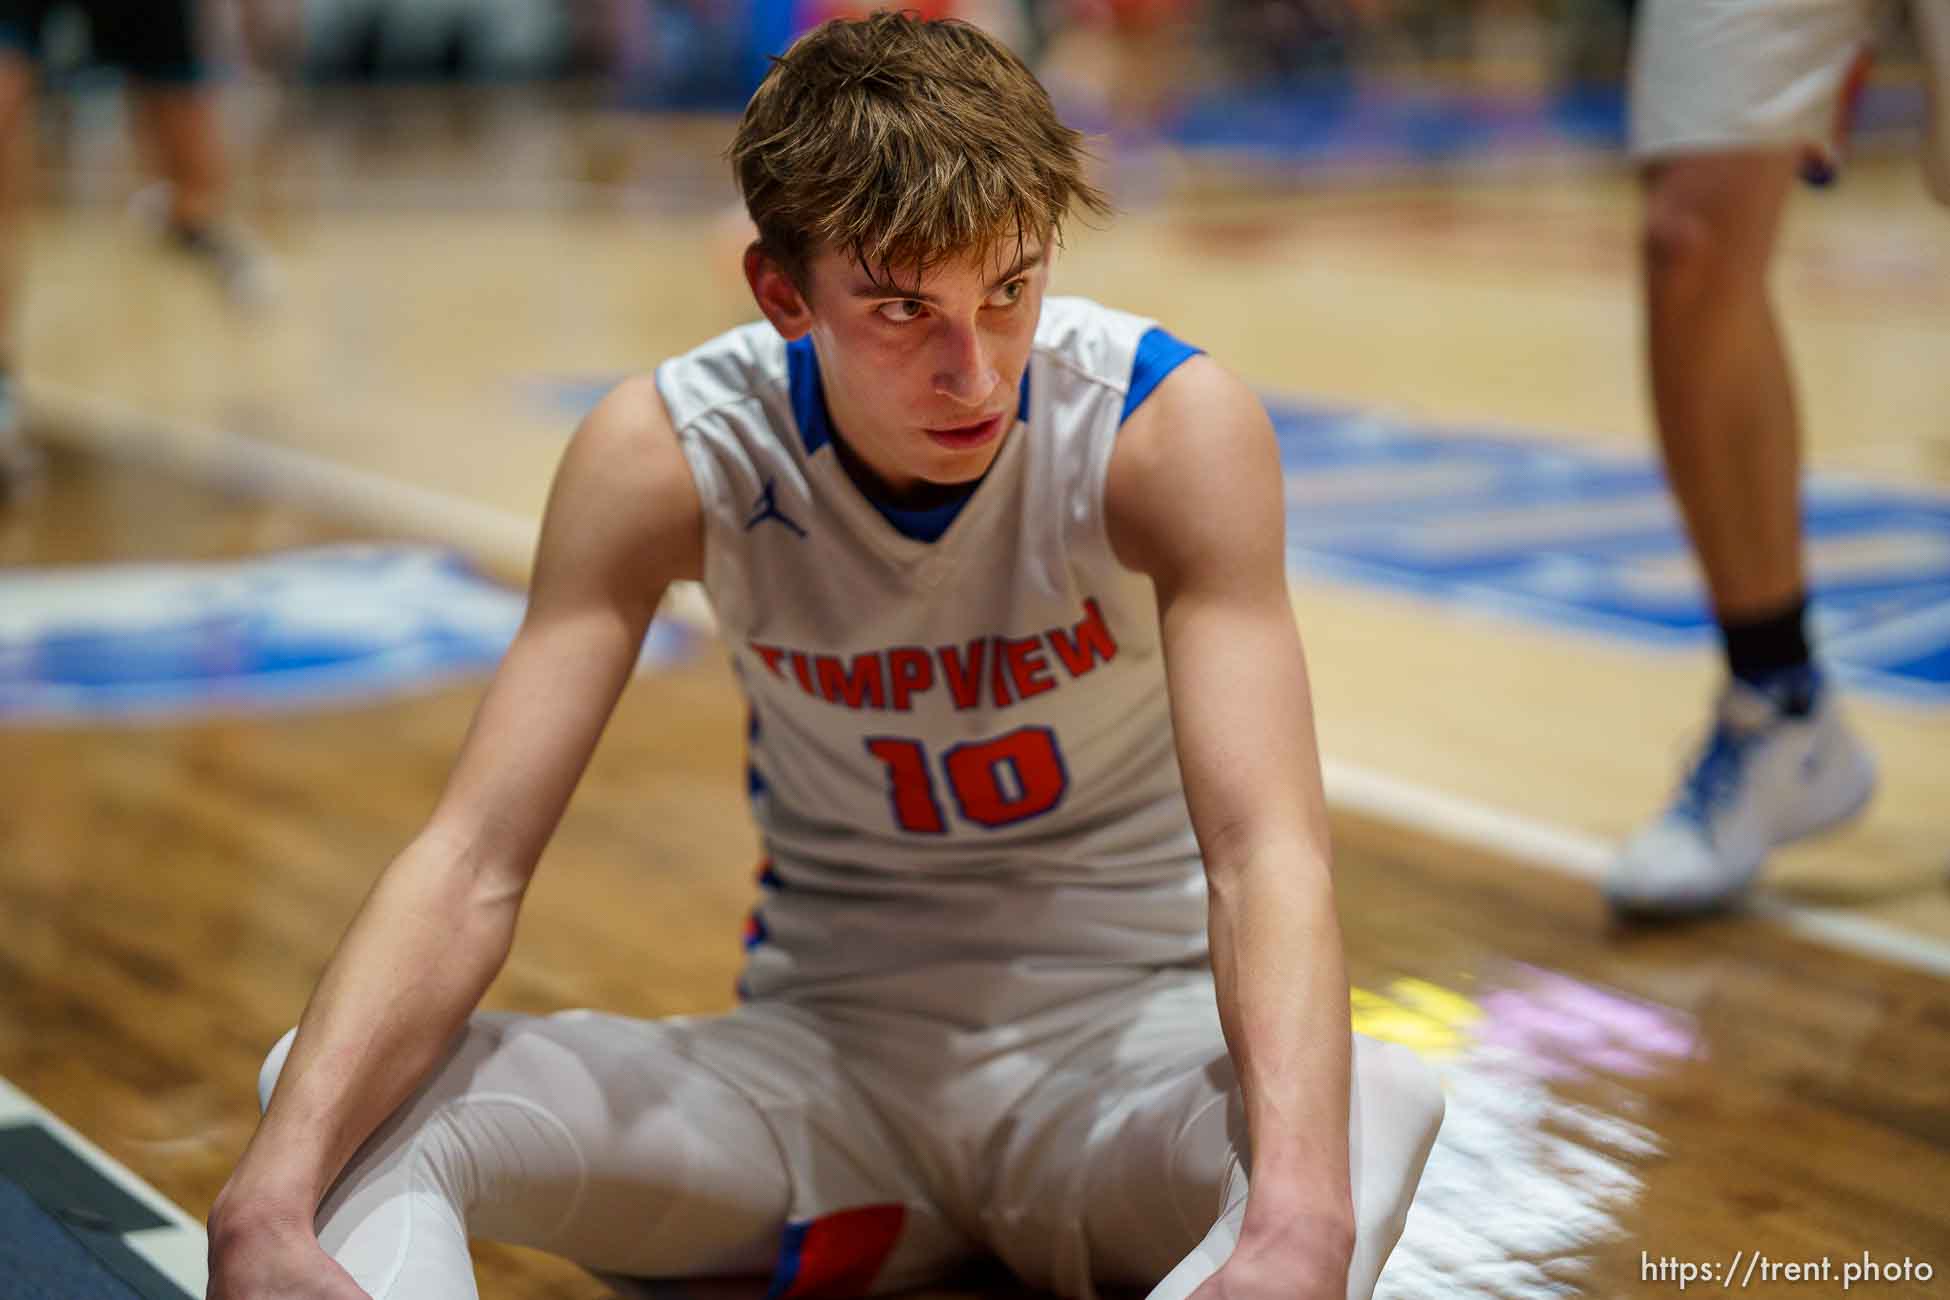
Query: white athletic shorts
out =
(1715, 76)
(1711, 76)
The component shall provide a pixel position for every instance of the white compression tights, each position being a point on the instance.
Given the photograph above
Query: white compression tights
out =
(603, 1140)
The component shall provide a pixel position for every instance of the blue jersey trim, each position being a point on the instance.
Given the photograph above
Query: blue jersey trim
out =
(924, 525)
(1158, 354)
(808, 394)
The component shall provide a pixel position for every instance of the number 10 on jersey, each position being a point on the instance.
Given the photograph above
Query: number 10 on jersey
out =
(996, 783)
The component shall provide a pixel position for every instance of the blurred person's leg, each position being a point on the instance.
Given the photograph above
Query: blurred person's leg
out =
(1728, 426)
(176, 117)
(19, 33)
(1932, 21)
(1726, 94)
(183, 129)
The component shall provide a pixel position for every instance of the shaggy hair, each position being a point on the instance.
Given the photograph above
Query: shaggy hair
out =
(904, 143)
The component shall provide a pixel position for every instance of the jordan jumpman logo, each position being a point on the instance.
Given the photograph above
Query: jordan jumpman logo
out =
(768, 508)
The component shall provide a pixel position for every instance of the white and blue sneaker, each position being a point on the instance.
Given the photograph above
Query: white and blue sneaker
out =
(1764, 777)
(235, 262)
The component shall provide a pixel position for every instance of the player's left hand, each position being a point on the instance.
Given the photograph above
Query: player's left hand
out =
(1296, 1265)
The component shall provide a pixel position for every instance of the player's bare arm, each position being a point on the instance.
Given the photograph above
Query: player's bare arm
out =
(623, 522)
(1194, 499)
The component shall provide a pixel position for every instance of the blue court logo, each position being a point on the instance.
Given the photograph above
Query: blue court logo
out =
(296, 630)
(1571, 535)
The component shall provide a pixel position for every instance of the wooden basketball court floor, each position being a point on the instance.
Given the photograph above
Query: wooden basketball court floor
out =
(1770, 1084)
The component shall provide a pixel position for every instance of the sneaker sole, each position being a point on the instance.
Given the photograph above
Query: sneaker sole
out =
(1843, 812)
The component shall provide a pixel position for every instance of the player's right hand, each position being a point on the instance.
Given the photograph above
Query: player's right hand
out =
(274, 1262)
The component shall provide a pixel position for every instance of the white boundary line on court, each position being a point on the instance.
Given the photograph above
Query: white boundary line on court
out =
(507, 540)
(1575, 853)
(179, 1252)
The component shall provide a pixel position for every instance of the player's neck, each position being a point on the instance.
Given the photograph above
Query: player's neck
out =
(914, 494)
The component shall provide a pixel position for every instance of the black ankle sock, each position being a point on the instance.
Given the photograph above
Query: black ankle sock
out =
(194, 238)
(1764, 650)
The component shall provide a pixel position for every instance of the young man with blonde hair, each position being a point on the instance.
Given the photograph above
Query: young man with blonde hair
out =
(994, 572)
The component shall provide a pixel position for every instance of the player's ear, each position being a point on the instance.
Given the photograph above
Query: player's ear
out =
(776, 293)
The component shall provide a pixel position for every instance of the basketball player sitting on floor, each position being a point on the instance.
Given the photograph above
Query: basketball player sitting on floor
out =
(1047, 962)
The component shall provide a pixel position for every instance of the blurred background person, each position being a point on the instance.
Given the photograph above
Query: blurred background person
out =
(1730, 101)
(158, 44)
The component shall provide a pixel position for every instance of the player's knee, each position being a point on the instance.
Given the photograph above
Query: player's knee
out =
(1401, 1094)
(267, 1074)
(1415, 1094)
(1679, 242)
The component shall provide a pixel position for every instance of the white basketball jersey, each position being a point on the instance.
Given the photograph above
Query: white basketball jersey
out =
(961, 749)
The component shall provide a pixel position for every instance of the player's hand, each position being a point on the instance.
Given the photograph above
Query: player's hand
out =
(1269, 1280)
(1297, 1265)
(272, 1260)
